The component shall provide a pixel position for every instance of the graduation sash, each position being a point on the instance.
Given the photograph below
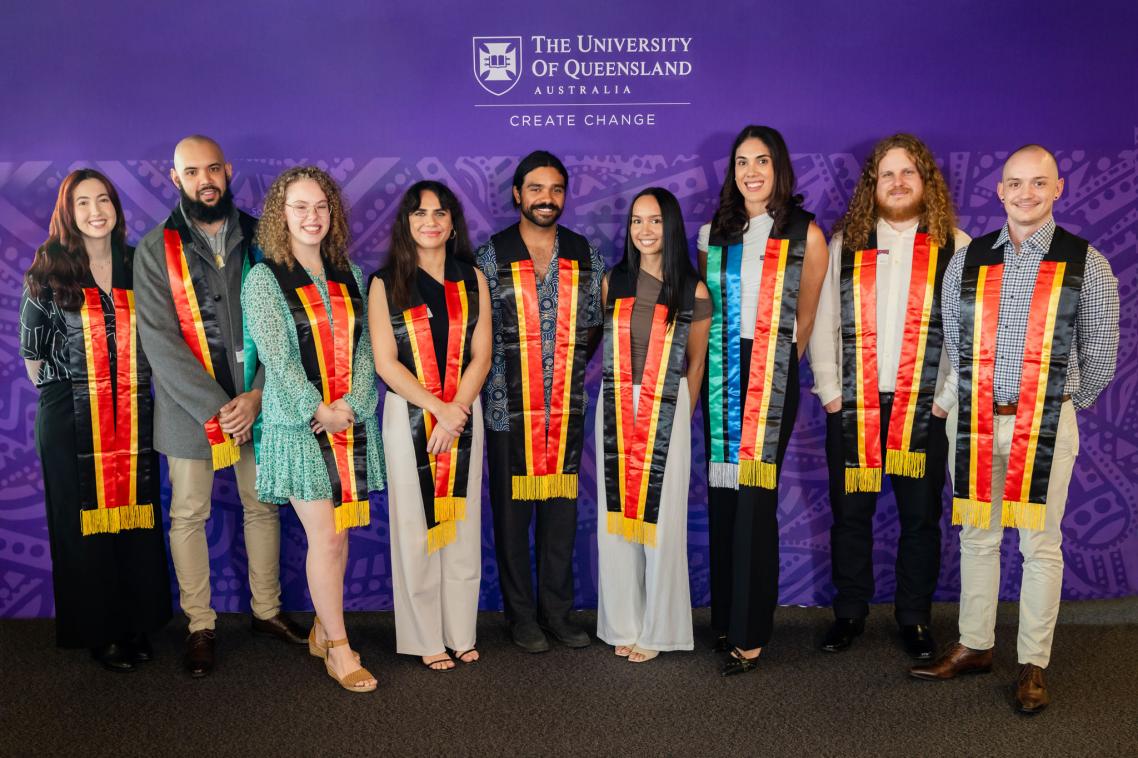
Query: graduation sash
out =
(545, 439)
(921, 343)
(197, 318)
(114, 411)
(442, 478)
(636, 435)
(1046, 351)
(743, 432)
(327, 338)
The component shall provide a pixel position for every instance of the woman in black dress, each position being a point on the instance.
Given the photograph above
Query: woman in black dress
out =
(93, 429)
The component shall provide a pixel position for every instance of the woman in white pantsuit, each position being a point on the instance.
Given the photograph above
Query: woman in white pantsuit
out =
(657, 314)
(430, 324)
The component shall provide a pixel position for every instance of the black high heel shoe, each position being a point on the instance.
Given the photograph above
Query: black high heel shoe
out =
(721, 645)
(737, 663)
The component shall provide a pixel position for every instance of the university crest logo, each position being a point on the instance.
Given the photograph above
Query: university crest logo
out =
(497, 63)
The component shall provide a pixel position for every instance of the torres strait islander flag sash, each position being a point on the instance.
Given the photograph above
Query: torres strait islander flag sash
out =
(1046, 351)
(442, 478)
(113, 412)
(637, 434)
(200, 329)
(921, 343)
(744, 431)
(545, 438)
(327, 339)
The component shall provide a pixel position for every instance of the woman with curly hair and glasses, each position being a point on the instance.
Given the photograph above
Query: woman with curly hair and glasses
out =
(79, 342)
(763, 259)
(430, 327)
(320, 447)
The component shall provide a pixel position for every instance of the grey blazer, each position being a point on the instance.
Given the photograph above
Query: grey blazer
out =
(185, 394)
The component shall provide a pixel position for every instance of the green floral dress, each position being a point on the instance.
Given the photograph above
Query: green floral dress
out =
(290, 464)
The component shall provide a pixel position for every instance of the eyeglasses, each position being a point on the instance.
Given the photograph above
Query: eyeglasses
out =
(301, 210)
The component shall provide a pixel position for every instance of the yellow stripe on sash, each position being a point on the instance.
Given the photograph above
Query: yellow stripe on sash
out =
(926, 317)
(570, 347)
(132, 340)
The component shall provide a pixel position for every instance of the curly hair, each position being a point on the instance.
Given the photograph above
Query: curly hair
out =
(60, 264)
(272, 231)
(937, 214)
(731, 218)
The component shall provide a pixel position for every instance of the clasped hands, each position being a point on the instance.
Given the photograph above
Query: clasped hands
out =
(332, 418)
(450, 420)
(237, 416)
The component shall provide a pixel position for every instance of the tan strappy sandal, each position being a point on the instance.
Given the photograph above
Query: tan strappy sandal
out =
(352, 678)
(315, 648)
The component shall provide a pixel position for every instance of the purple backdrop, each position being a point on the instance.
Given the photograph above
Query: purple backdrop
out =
(383, 97)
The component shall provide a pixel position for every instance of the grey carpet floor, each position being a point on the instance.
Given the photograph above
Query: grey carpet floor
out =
(269, 699)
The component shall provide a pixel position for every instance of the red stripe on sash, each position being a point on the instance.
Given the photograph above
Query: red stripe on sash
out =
(759, 350)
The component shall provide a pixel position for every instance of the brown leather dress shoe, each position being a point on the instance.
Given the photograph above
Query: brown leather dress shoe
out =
(281, 627)
(958, 659)
(1031, 690)
(199, 653)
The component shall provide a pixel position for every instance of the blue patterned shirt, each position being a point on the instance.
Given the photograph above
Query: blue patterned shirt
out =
(495, 408)
(1094, 345)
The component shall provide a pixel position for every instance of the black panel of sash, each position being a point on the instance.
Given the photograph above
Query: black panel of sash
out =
(508, 248)
(454, 271)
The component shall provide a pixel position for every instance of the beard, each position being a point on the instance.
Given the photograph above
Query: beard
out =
(528, 212)
(208, 214)
(912, 209)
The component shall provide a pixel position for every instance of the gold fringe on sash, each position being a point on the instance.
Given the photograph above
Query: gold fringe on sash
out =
(543, 487)
(758, 474)
(225, 454)
(440, 535)
(637, 530)
(352, 513)
(909, 463)
(967, 512)
(863, 479)
(115, 520)
(450, 508)
(1023, 515)
(615, 522)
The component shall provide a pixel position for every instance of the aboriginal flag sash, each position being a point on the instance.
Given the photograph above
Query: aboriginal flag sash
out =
(637, 434)
(921, 342)
(197, 318)
(110, 385)
(545, 438)
(327, 338)
(1046, 352)
(743, 431)
(443, 478)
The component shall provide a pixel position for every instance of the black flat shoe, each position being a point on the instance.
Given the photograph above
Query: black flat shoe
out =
(721, 645)
(528, 636)
(841, 635)
(567, 633)
(738, 664)
(140, 648)
(918, 641)
(114, 657)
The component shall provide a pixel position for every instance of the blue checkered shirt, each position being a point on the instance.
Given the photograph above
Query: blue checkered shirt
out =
(495, 409)
(1094, 344)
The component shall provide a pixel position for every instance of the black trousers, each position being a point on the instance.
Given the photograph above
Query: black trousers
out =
(743, 536)
(554, 535)
(919, 507)
(108, 587)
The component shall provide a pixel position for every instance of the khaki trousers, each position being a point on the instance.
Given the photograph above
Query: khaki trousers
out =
(191, 481)
(1042, 553)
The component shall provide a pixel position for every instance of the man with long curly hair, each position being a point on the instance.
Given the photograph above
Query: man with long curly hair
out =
(1031, 327)
(188, 274)
(881, 376)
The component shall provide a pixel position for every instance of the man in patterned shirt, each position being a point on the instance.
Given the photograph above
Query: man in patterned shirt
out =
(998, 293)
(538, 272)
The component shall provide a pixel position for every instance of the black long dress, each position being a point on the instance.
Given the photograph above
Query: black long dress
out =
(108, 587)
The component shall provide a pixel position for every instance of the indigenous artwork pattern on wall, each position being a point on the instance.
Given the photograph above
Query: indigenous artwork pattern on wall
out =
(1100, 529)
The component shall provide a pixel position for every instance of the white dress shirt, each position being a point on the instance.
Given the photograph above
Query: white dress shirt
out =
(894, 267)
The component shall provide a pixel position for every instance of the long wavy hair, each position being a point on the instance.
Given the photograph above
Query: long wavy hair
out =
(731, 218)
(677, 265)
(937, 214)
(403, 258)
(60, 264)
(272, 231)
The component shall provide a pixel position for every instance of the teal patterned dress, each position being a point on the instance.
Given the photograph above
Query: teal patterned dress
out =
(289, 464)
